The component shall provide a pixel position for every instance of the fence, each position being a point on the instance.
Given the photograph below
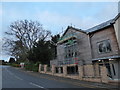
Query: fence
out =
(94, 73)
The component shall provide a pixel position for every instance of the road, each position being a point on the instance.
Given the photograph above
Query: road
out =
(18, 78)
(14, 78)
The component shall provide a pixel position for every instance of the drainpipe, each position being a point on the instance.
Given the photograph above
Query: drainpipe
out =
(89, 37)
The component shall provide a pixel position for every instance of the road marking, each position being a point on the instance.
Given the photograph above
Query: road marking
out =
(18, 77)
(13, 74)
(36, 85)
(9, 72)
(73, 83)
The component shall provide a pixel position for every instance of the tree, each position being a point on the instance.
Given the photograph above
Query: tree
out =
(11, 60)
(54, 40)
(22, 37)
(42, 52)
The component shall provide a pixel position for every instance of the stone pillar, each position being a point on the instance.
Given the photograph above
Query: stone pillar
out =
(53, 69)
(39, 68)
(104, 77)
(97, 71)
(45, 68)
(91, 70)
(80, 71)
(59, 69)
(64, 70)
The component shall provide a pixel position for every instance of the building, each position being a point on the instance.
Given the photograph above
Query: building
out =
(105, 46)
(96, 46)
(2, 62)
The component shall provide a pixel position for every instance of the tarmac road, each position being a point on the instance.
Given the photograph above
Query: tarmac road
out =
(18, 78)
(14, 78)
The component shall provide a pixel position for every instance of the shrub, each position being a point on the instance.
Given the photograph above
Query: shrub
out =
(32, 66)
(15, 65)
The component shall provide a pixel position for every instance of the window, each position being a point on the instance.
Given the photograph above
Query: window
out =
(113, 69)
(104, 46)
(71, 51)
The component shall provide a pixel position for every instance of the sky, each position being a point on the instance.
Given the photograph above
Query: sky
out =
(56, 16)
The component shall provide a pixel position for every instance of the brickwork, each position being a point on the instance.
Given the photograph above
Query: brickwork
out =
(89, 76)
(95, 47)
(117, 30)
(105, 34)
(104, 77)
(45, 68)
(83, 47)
(80, 70)
(53, 69)
(64, 70)
(96, 69)
(39, 68)
(88, 70)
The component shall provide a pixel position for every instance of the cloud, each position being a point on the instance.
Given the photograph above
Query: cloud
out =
(60, 0)
(0, 9)
(118, 7)
(0, 46)
(0, 12)
(0, 16)
(56, 19)
(108, 12)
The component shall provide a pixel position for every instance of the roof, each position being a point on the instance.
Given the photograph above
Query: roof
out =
(111, 57)
(95, 28)
(70, 27)
(100, 26)
(117, 17)
(103, 25)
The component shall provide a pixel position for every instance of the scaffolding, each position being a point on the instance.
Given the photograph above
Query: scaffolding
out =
(70, 45)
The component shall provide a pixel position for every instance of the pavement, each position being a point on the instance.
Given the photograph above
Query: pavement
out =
(20, 78)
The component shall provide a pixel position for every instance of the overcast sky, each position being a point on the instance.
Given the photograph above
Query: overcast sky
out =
(57, 15)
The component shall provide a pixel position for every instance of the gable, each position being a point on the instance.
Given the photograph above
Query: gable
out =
(70, 33)
(70, 29)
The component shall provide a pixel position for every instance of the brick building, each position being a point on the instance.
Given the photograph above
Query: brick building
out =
(96, 46)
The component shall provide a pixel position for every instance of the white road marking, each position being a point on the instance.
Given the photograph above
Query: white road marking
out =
(9, 72)
(22, 79)
(18, 77)
(13, 74)
(36, 85)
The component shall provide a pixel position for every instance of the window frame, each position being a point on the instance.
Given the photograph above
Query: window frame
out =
(104, 41)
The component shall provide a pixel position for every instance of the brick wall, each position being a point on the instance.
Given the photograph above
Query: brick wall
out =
(83, 47)
(117, 30)
(86, 73)
(104, 34)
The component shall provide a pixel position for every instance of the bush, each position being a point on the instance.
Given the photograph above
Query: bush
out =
(32, 66)
(28, 66)
(15, 65)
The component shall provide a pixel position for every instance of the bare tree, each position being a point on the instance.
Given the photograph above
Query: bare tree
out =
(24, 35)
